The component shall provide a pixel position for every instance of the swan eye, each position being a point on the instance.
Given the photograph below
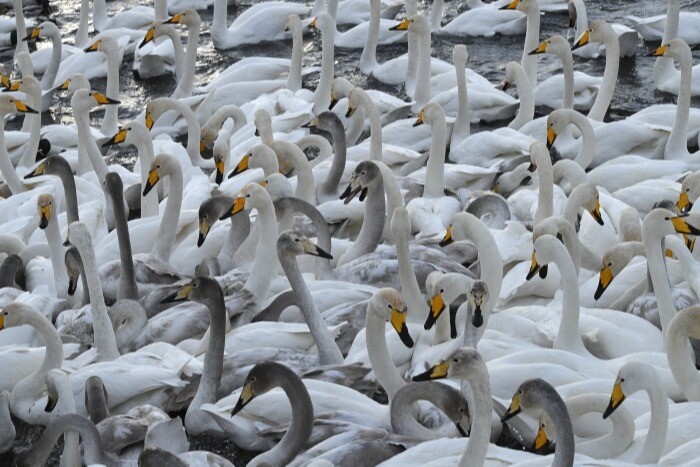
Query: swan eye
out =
(364, 173)
(455, 360)
(206, 216)
(609, 265)
(296, 239)
(252, 380)
(123, 322)
(247, 196)
(158, 166)
(622, 380)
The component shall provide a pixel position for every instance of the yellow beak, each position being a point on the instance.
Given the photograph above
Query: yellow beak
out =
(616, 398)
(660, 52)
(149, 121)
(402, 26)
(683, 201)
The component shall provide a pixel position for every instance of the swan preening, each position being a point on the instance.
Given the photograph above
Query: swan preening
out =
(325, 258)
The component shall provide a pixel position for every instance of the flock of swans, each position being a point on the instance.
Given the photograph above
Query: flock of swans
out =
(391, 288)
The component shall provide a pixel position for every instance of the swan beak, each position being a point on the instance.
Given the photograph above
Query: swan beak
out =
(447, 239)
(551, 137)
(583, 40)
(5, 81)
(93, 47)
(596, 213)
(513, 410)
(220, 167)
(202, 146)
(247, 395)
(263, 183)
(683, 204)
(606, 277)
(38, 171)
(511, 6)
(2, 321)
(314, 122)
(478, 319)
(314, 250)
(660, 52)
(72, 285)
(616, 398)
(65, 85)
(181, 295)
(14, 86)
(532, 167)
(689, 242)
(313, 23)
(542, 48)
(351, 110)
(398, 321)
(153, 178)
(149, 121)
(461, 431)
(334, 101)
(204, 227)
(402, 26)
(682, 226)
(541, 441)
(505, 85)
(23, 108)
(32, 35)
(419, 120)
(50, 404)
(149, 36)
(437, 306)
(438, 371)
(257, 132)
(354, 187)
(534, 267)
(174, 20)
(116, 139)
(242, 166)
(101, 99)
(44, 216)
(238, 206)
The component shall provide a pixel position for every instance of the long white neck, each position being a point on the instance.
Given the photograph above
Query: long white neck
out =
(328, 351)
(461, 128)
(171, 216)
(34, 99)
(82, 35)
(532, 39)
(680, 359)
(368, 59)
(22, 46)
(144, 146)
(305, 178)
(294, 77)
(412, 54)
(587, 152)
(194, 131)
(409, 284)
(545, 202)
(375, 128)
(26, 69)
(66, 405)
(651, 238)
(186, 82)
(160, 9)
(581, 17)
(60, 275)
(238, 233)
(435, 170)
(219, 23)
(479, 399)
(526, 111)
(612, 66)
(421, 95)
(322, 95)
(6, 168)
(91, 150)
(99, 15)
(612, 444)
(569, 336)
(676, 146)
(664, 67)
(105, 341)
(266, 262)
(567, 63)
(33, 386)
(372, 228)
(658, 425)
(47, 81)
(436, 15)
(110, 122)
(394, 198)
(383, 366)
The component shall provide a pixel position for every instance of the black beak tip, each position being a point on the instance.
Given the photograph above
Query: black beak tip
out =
(200, 240)
(478, 319)
(543, 271)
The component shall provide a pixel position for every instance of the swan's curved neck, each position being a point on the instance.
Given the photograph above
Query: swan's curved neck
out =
(581, 17)
(266, 262)
(322, 95)
(412, 54)
(194, 130)
(291, 153)
(585, 156)
(33, 123)
(557, 412)
(479, 398)
(651, 238)
(436, 14)
(569, 336)
(144, 146)
(664, 67)
(92, 445)
(82, 36)
(569, 170)
(526, 111)
(383, 366)
(213, 361)
(328, 188)
(47, 81)
(90, 146)
(371, 232)
(368, 59)
(22, 46)
(111, 120)
(99, 15)
(62, 169)
(532, 39)
(682, 367)
(219, 23)
(435, 171)
(612, 66)
(328, 351)
(409, 284)
(53, 237)
(676, 146)
(658, 425)
(186, 82)
(294, 77)
(461, 128)
(168, 224)
(567, 63)
(403, 420)
(545, 204)
(421, 94)
(6, 168)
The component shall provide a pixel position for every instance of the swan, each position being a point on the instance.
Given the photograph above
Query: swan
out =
(185, 83)
(690, 192)
(434, 209)
(682, 326)
(531, 8)
(8, 436)
(684, 24)
(259, 23)
(9, 104)
(138, 17)
(626, 36)
(479, 20)
(162, 57)
(48, 222)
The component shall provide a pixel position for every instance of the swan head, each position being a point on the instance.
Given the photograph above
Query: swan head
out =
(598, 31)
(73, 262)
(442, 290)
(477, 296)
(189, 18)
(573, 14)
(49, 166)
(416, 23)
(277, 186)
(528, 396)
(28, 85)
(365, 177)
(557, 120)
(252, 196)
(293, 23)
(104, 44)
(340, 87)
(430, 113)
(15, 314)
(330, 122)
(463, 363)
(131, 133)
(45, 208)
(75, 82)
(690, 192)
(258, 157)
(296, 244)
(200, 289)
(356, 98)
(539, 156)
(390, 307)
(677, 49)
(8, 104)
(511, 75)
(220, 153)
(54, 379)
(262, 378)
(323, 22)
(521, 5)
(45, 29)
(460, 56)
(163, 164)
(546, 250)
(545, 434)
(632, 377)
(263, 124)
(556, 45)
(84, 100)
(458, 229)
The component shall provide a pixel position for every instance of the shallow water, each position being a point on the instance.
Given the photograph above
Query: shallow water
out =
(488, 56)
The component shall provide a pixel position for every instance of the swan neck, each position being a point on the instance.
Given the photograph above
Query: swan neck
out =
(371, 232)
(322, 96)
(128, 289)
(676, 147)
(329, 186)
(22, 46)
(679, 355)
(479, 399)
(92, 445)
(56, 250)
(383, 366)
(526, 110)
(89, 144)
(409, 283)
(294, 77)
(368, 59)
(32, 387)
(545, 205)
(567, 62)
(569, 335)
(219, 23)
(144, 146)
(265, 265)
(186, 82)
(111, 120)
(532, 38)
(99, 15)
(612, 67)
(658, 425)
(47, 81)
(422, 91)
(6, 168)
(461, 128)
(651, 238)
(168, 225)
(435, 170)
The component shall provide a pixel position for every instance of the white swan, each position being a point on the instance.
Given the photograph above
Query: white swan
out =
(654, 28)
(479, 20)
(626, 36)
